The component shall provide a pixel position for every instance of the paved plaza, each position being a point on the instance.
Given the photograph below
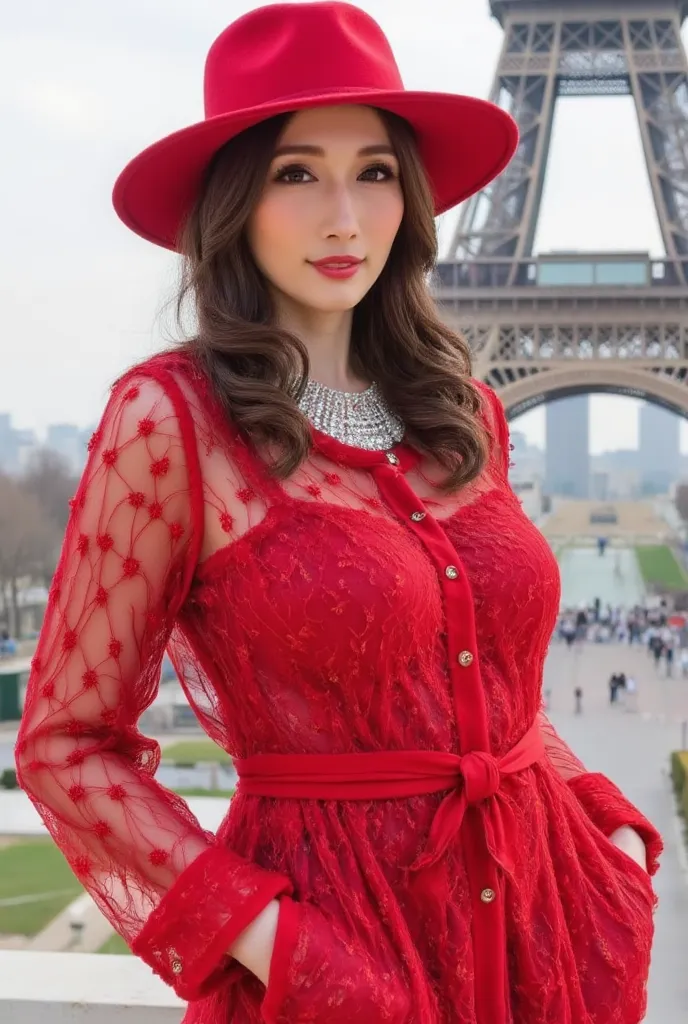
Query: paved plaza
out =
(632, 748)
(613, 577)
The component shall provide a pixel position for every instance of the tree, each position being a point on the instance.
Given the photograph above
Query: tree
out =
(682, 501)
(28, 544)
(49, 480)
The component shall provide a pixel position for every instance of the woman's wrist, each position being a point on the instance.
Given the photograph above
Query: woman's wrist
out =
(253, 947)
(628, 840)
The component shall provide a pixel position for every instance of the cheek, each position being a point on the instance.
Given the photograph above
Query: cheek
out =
(273, 228)
(384, 218)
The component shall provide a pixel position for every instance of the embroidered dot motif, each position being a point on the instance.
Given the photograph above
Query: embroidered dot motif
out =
(146, 427)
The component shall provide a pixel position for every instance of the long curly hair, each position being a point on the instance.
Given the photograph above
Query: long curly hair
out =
(258, 371)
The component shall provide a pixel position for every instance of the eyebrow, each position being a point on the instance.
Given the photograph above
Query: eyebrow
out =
(306, 150)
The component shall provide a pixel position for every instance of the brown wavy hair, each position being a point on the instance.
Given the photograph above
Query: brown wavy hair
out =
(258, 370)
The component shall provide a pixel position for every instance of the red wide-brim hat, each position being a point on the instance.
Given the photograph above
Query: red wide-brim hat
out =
(288, 57)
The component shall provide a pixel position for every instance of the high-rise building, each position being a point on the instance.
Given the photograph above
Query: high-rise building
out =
(67, 441)
(567, 459)
(659, 449)
(8, 453)
(15, 445)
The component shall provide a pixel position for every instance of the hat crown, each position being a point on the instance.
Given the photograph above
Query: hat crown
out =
(282, 51)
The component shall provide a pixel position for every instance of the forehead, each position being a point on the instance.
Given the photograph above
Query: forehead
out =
(357, 125)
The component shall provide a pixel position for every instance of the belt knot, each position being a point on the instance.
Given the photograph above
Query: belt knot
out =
(480, 772)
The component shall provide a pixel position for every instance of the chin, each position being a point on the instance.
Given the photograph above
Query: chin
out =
(338, 297)
(341, 305)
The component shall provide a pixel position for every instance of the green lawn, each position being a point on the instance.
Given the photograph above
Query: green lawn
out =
(194, 751)
(115, 944)
(658, 565)
(33, 868)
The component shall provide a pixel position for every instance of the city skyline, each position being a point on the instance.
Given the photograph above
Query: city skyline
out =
(610, 417)
(527, 425)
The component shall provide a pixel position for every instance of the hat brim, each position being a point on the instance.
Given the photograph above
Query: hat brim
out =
(464, 143)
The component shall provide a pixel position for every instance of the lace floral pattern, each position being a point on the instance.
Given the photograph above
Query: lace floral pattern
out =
(310, 616)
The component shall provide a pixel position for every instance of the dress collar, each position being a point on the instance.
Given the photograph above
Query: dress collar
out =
(402, 455)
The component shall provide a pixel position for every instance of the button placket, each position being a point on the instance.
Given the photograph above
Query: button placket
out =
(471, 722)
(466, 684)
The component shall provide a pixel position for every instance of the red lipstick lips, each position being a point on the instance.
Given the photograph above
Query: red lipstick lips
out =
(337, 266)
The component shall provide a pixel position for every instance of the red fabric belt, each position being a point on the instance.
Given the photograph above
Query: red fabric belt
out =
(473, 778)
(490, 834)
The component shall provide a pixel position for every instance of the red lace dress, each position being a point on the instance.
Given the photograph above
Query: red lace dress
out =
(352, 609)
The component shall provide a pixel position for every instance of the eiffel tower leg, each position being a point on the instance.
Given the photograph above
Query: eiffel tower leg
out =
(545, 326)
(500, 222)
(658, 75)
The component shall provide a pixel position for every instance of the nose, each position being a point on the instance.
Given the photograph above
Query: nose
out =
(342, 220)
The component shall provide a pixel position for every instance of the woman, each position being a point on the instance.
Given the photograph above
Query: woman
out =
(308, 504)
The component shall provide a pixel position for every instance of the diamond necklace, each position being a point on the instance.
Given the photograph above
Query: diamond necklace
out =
(361, 419)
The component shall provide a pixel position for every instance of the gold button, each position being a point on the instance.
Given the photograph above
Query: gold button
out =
(176, 967)
(465, 659)
(452, 572)
(487, 895)
(391, 457)
(417, 516)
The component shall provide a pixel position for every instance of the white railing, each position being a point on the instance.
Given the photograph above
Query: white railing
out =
(82, 988)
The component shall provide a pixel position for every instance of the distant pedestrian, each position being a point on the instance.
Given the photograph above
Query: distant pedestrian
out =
(684, 662)
(578, 694)
(582, 624)
(631, 694)
(656, 646)
(613, 688)
(568, 631)
(669, 648)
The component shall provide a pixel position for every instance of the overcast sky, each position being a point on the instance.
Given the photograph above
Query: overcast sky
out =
(86, 84)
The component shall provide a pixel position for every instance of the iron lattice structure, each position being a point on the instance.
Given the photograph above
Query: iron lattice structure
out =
(546, 326)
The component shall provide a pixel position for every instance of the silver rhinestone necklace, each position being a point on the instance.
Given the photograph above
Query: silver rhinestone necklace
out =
(361, 419)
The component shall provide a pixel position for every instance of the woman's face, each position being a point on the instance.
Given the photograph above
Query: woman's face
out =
(330, 209)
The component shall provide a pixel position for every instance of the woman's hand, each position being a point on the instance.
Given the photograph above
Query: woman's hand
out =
(253, 948)
(628, 840)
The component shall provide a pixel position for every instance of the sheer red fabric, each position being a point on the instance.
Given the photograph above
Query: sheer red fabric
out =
(352, 608)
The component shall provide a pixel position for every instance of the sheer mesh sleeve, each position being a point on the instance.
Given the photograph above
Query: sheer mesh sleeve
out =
(559, 753)
(177, 897)
(601, 799)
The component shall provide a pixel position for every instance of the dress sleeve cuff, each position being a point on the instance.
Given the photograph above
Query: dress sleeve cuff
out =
(186, 939)
(283, 949)
(609, 809)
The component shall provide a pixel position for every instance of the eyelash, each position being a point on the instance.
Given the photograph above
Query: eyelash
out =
(282, 172)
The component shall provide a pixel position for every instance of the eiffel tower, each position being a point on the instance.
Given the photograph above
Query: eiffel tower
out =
(546, 326)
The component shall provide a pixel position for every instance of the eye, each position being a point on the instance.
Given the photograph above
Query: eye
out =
(293, 174)
(378, 172)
